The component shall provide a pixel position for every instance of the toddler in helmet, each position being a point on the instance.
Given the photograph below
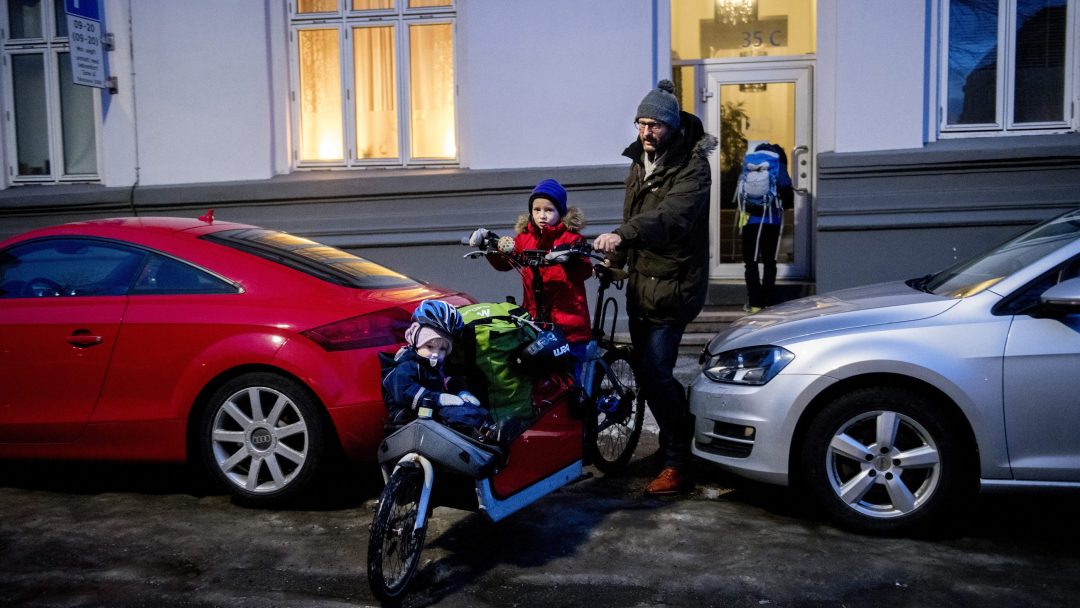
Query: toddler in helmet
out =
(414, 383)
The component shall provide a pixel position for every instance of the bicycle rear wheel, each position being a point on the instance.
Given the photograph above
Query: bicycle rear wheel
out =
(620, 413)
(393, 546)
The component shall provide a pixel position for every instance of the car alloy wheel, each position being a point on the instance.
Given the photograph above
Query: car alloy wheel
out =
(262, 437)
(883, 460)
(883, 464)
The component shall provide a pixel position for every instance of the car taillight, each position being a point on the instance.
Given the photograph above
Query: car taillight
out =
(381, 328)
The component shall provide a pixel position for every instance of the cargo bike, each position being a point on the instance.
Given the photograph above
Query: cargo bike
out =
(595, 421)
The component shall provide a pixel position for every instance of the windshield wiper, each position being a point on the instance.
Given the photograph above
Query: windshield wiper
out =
(921, 283)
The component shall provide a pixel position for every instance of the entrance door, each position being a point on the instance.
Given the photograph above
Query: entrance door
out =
(745, 105)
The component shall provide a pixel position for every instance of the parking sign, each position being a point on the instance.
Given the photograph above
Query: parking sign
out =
(85, 34)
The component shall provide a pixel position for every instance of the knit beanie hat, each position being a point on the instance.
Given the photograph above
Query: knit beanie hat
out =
(553, 191)
(419, 335)
(661, 104)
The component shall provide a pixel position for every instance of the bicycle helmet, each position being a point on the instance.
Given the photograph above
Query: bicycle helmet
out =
(440, 316)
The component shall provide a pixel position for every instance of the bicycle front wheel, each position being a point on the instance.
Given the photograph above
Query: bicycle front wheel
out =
(393, 545)
(620, 413)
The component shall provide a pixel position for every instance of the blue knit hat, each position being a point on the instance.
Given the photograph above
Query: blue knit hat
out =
(553, 191)
(660, 104)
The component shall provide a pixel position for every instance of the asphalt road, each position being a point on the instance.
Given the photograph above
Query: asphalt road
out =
(155, 536)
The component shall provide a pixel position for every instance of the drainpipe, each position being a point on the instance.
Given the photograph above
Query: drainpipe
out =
(655, 44)
(134, 107)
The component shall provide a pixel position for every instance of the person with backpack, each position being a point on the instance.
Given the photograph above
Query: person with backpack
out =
(763, 192)
(414, 384)
(547, 225)
(664, 240)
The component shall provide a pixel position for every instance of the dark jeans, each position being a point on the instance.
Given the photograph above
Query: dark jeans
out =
(759, 290)
(656, 348)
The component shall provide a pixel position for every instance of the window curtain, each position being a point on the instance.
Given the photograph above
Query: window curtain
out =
(431, 71)
(376, 98)
(321, 131)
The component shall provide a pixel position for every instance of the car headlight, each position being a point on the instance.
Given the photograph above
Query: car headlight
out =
(755, 365)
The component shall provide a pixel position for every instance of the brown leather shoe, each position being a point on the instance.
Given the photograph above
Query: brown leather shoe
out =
(669, 481)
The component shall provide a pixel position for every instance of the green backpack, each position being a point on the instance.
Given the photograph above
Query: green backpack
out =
(494, 334)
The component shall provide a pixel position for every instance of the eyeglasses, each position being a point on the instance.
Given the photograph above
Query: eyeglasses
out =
(653, 126)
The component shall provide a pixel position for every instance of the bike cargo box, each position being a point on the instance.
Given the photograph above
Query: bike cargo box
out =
(439, 444)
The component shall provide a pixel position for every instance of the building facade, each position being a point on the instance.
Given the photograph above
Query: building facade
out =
(918, 132)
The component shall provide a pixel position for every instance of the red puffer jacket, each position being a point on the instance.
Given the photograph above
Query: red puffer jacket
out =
(564, 296)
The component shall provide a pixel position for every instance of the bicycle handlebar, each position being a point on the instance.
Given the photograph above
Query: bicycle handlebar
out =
(584, 250)
(539, 257)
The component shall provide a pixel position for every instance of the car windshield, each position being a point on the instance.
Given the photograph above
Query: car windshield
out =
(318, 260)
(980, 273)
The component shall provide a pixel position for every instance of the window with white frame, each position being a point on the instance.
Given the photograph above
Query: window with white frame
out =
(50, 124)
(1009, 66)
(373, 82)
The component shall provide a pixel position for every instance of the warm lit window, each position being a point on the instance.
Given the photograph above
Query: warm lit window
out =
(1008, 65)
(50, 121)
(728, 29)
(374, 82)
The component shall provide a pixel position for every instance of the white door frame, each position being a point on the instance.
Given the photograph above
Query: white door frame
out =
(714, 73)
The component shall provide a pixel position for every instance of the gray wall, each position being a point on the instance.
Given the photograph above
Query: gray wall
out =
(899, 214)
(409, 220)
(878, 215)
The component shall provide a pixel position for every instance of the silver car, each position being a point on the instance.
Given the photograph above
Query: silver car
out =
(890, 404)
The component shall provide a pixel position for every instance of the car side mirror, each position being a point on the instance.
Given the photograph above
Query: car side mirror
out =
(1063, 298)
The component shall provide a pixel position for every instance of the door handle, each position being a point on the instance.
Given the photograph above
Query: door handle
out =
(82, 338)
(802, 171)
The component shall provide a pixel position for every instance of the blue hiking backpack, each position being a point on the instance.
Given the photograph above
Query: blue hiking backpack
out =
(756, 191)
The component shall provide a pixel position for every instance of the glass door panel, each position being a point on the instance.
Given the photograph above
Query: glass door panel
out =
(752, 114)
(747, 108)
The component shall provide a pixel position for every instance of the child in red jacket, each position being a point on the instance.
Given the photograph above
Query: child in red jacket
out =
(549, 224)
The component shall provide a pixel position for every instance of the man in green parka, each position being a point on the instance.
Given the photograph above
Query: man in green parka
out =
(664, 240)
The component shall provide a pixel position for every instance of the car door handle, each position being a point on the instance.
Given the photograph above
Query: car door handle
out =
(81, 338)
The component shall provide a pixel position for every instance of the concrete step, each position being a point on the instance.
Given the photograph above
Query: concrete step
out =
(714, 318)
(724, 305)
(693, 343)
(711, 320)
(732, 292)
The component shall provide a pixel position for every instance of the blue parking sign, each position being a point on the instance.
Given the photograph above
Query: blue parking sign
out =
(87, 9)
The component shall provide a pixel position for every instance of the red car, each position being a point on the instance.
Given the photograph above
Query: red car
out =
(251, 351)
